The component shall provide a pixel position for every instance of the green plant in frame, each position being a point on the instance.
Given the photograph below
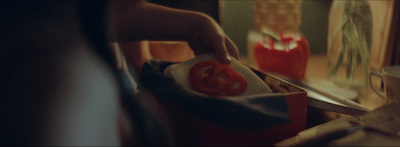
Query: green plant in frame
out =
(354, 38)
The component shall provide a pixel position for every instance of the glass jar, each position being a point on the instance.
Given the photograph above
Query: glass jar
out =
(349, 43)
(275, 15)
(278, 15)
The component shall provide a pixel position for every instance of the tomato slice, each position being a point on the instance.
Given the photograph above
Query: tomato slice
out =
(197, 78)
(231, 91)
(216, 79)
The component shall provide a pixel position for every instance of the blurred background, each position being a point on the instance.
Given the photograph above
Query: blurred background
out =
(322, 25)
(236, 18)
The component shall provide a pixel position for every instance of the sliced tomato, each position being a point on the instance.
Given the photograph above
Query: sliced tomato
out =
(198, 79)
(216, 79)
(231, 91)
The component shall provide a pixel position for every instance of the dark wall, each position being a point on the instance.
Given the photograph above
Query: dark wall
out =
(210, 7)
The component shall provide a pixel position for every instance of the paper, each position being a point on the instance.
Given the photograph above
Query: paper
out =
(180, 73)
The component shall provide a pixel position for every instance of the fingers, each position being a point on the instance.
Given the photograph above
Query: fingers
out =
(216, 44)
(221, 51)
(211, 38)
(231, 48)
(225, 48)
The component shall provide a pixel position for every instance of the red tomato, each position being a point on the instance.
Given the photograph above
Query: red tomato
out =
(216, 79)
(288, 57)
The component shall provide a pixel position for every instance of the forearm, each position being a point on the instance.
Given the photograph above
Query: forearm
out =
(133, 21)
(138, 20)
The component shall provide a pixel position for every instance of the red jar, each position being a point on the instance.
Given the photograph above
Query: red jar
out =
(287, 56)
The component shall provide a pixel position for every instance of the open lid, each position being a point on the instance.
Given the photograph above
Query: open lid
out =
(241, 112)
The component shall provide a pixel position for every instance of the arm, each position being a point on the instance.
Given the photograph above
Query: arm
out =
(139, 20)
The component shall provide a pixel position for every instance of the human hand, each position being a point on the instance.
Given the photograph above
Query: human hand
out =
(135, 21)
(211, 38)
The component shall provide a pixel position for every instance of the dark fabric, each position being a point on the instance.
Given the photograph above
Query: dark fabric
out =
(27, 42)
(245, 112)
(93, 17)
(27, 39)
(93, 20)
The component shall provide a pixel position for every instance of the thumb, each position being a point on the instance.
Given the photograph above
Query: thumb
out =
(220, 51)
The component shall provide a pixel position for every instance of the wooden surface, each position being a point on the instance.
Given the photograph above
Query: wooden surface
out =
(317, 68)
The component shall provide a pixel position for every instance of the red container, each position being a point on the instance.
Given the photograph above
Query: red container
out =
(287, 57)
(191, 130)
